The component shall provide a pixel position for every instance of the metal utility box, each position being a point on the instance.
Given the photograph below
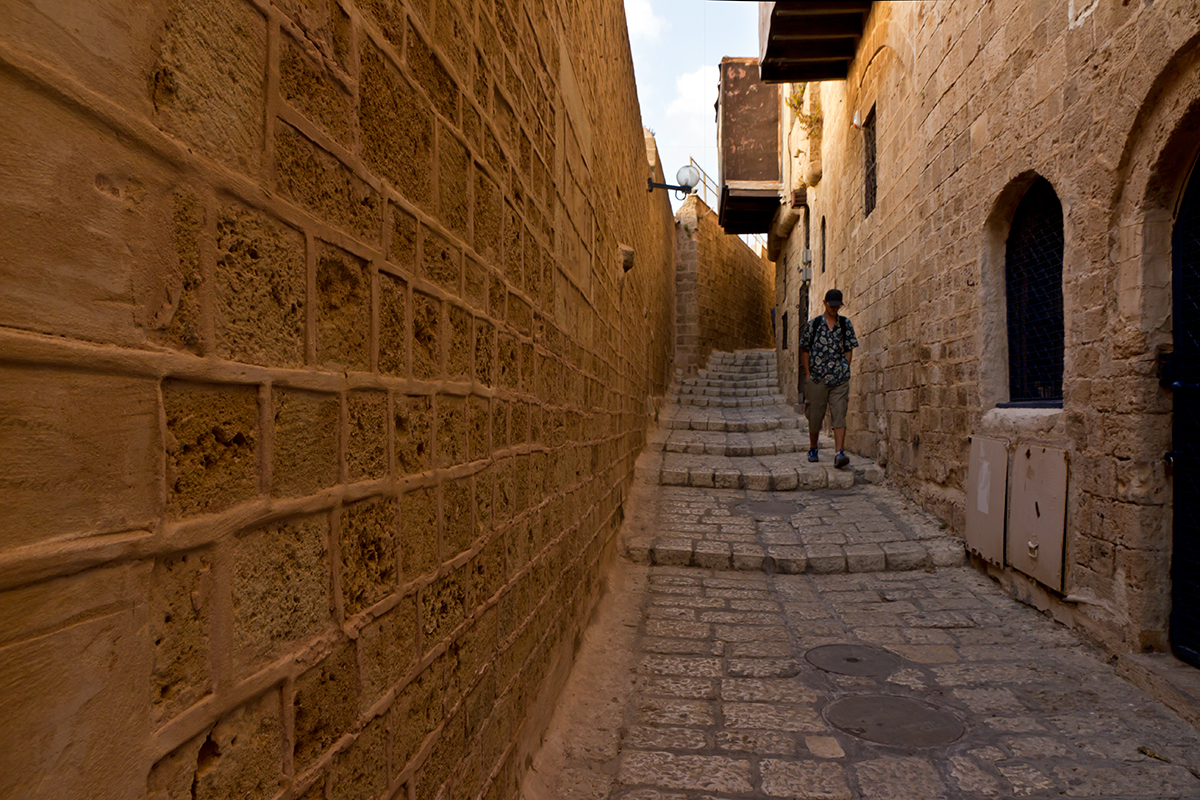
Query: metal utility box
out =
(987, 497)
(748, 152)
(1037, 513)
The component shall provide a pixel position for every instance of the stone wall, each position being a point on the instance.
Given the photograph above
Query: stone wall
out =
(322, 386)
(972, 101)
(724, 290)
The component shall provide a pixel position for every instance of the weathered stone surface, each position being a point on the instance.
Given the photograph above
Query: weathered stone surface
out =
(242, 755)
(704, 773)
(212, 446)
(807, 779)
(305, 438)
(282, 576)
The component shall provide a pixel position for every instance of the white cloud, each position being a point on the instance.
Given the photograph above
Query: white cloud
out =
(690, 113)
(643, 22)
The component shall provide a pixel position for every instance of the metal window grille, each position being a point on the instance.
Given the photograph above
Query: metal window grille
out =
(1033, 279)
(870, 165)
(1185, 444)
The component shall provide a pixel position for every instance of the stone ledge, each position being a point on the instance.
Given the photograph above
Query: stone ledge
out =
(907, 556)
(1167, 679)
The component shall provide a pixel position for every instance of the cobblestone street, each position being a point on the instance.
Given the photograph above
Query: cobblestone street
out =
(694, 683)
(825, 640)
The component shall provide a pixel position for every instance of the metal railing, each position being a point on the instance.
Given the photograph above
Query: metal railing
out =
(710, 193)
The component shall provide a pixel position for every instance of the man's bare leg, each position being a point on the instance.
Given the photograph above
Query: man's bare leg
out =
(839, 439)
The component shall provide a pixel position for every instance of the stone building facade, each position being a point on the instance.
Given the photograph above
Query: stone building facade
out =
(723, 290)
(969, 106)
(322, 383)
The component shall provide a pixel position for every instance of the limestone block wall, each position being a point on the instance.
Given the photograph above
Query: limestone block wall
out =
(724, 290)
(973, 100)
(321, 384)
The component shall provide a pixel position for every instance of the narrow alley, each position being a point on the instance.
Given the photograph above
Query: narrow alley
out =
(379, 421)
(828, 644)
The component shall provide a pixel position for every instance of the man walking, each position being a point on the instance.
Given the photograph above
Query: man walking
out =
(826, 348)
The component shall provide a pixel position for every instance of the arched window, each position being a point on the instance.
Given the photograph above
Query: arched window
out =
(1033, 257)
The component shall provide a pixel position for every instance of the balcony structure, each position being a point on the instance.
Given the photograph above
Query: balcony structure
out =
(748, 153)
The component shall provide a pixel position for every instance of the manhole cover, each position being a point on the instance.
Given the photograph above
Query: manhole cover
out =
(900, 721)
(760, 509)
(853, 659)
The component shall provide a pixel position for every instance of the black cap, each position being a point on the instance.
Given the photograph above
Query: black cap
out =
(834, 297)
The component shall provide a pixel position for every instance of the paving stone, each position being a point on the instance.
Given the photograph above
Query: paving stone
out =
(899, 778)
(773, 717)
(705, 773)
(804, 780)
(674, 711)
(647, 738)
(765, 743)
(824, 747)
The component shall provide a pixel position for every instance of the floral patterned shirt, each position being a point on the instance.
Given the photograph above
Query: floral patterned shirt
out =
(827, 350)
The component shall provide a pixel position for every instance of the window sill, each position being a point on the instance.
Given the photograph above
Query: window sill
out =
(1032, 404)
(1020, 420)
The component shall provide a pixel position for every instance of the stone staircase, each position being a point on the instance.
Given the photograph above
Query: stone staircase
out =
(730, 428)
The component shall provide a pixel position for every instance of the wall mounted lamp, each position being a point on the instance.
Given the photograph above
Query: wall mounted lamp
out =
(856, 123)
(688, 177)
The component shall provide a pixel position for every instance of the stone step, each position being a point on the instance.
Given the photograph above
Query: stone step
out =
(690, 419)
(777, 473)
(680, 549)
(747, 383)
(730, 372)
(728, 402)
(741, 356)
(715, 443)
(726, 391)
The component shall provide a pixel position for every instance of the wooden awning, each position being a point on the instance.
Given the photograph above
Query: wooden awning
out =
(809, 40)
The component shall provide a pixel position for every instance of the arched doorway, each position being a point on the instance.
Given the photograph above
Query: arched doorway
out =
(1185, 558)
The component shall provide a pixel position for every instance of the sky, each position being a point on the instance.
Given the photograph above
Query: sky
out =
(677, 45)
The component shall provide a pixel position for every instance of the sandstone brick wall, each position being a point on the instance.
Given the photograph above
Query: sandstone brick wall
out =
(321, 386)
(972, 100)
(724, 290)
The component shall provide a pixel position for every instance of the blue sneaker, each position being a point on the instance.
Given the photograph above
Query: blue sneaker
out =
(812, 455)
(841, 459)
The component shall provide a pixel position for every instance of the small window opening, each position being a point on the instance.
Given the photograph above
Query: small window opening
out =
(869, 163)
(785, 331)
(822, 244)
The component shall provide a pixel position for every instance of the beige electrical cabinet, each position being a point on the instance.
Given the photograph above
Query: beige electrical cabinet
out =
(1037, 513)
(987, 497)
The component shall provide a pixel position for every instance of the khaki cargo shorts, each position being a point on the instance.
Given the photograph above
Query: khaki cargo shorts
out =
(818, 397)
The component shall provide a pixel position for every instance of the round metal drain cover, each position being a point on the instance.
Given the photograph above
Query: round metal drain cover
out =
(899, 721)
(853, 659)
(770, 508)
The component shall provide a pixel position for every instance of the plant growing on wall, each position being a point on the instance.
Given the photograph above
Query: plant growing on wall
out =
(814, 119)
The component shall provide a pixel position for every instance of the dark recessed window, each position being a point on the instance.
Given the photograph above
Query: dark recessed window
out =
(1033, 258)
(870, 163)
(785, 336)
(822, 244)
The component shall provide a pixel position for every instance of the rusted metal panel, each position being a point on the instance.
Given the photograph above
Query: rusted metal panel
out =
(748, 125)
